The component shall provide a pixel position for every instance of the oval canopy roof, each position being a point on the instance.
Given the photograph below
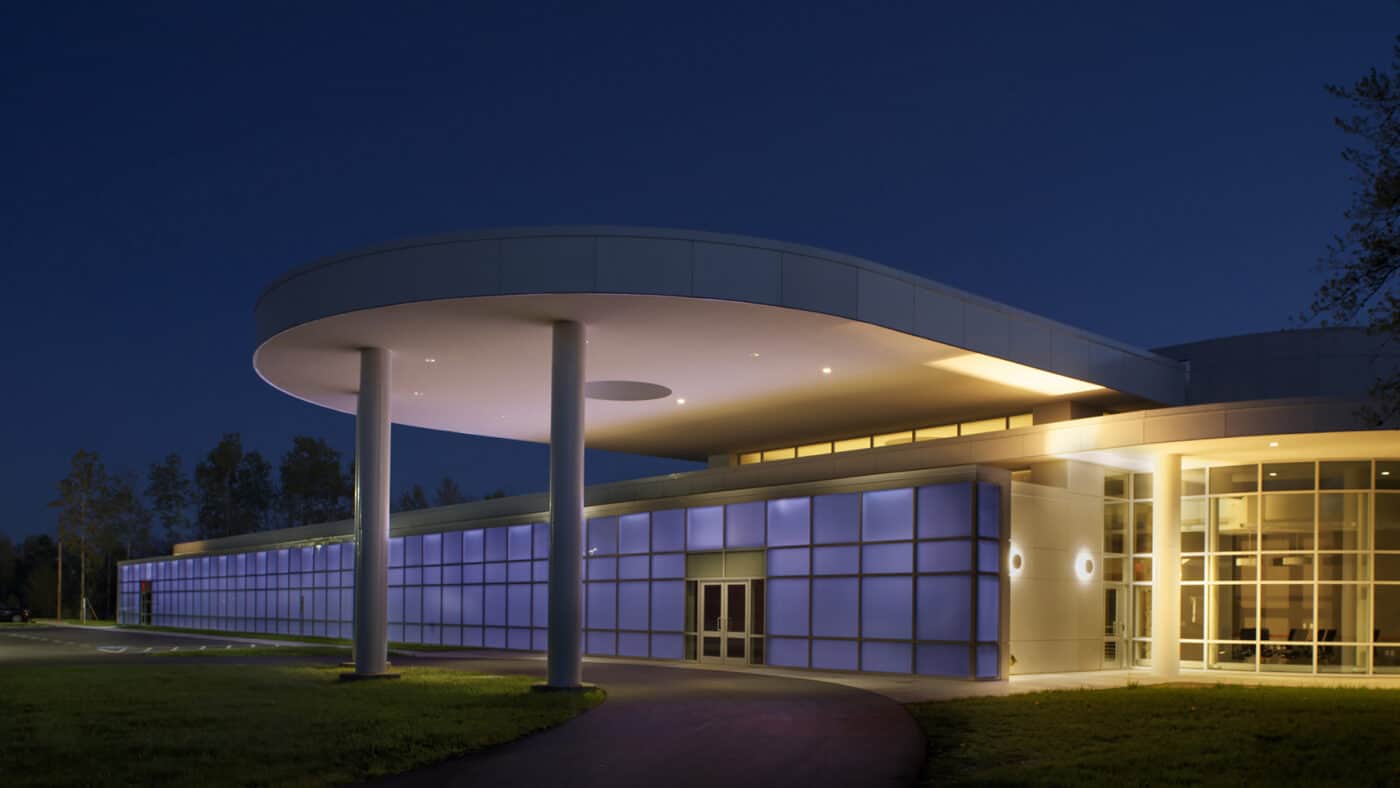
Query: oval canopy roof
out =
(739, 328)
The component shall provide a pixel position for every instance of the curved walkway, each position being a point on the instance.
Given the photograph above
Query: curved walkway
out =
(677, 727)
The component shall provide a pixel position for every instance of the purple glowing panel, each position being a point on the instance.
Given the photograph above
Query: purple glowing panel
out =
(518, 639)
(332, 558)
(634, 533)
(945, 556)
(887, 558)
(495, 606)
(413, 551)
(432, 605)
(788, 603)
(668, 565)
(452, 605)
(835, 608)
(452, 636)
(886, 657)
(705, 528)
(601, 643)
(495, 637)
(496, 544)
(395, 632)
(518, 571)
(988, 607)
(540, 604)
(945, 511)
(836, 518)
(395, 605)
(472, 637)
(496, 573)
(887, 515)
(472, 546)
(667, 646)
(632, 644)
(432, 575)
(835, 560)
(452, 549)
(988, 556)
(835, 655)
(412, 576)
(432, 634)
(518, 606)
(452, 574)
(887, 607)
(395, 554)
(942, 659)
(602, 569)
(473, 573)
(518, 542)
(432, 550)
(540, 571)
(633, 605)
(988, 511)
(602, 606)
(789, 522)
(602, 536)
(667, 606)
(634, 567)
(787, 652)
(988, 662)
(540, 639)
(789, 561)
(945, 608)
(743, 524)
(668, 531)
(540, 533)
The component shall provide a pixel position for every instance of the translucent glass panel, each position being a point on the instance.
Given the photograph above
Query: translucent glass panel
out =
(705, 528)
(887, 515)
(789, 522)
(836, 518)
(945, 511)
(744, 524)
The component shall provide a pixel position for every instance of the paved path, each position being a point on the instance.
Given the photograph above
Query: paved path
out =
(676, 727)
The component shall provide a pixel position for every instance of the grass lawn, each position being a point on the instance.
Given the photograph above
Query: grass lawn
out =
(215, 724)
(1220, 735)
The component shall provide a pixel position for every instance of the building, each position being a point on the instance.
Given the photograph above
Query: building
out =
(902, 477)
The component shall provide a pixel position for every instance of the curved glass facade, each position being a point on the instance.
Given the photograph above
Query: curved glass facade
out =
(1285, 567)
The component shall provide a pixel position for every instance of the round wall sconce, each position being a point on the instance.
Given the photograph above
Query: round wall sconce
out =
(1015, 561)
(1084, 565)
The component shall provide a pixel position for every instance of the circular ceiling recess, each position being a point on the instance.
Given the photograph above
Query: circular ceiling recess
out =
(624, 390)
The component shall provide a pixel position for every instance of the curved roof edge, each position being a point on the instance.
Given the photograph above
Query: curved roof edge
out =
(689, 264)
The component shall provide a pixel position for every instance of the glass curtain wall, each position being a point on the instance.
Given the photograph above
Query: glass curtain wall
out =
(1285, 567)
(904, 580)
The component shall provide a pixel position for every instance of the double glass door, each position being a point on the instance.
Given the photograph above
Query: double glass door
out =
(724, 622)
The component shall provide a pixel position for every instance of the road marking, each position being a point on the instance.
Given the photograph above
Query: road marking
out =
(112, 649)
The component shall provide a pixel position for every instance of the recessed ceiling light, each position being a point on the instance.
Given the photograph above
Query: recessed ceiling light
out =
(826, 370)
(680, 400)
(1273, 473)
(753, 355)
(429, 360)
(417, 393)
(1273, 444)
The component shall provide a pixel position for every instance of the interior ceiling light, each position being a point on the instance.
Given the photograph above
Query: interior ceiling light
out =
(826, 370)
(417, 393)
(753, 355)
(680, 400)
(1009, 373)
(429, 360)
(1273, 444)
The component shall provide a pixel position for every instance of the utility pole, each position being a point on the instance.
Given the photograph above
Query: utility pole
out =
(58, 611)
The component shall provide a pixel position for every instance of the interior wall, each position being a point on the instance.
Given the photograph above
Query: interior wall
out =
(1057, 617)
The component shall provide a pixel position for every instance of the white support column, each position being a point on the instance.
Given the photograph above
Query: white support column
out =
(372, 422)
(1166, 566)
(566, 508)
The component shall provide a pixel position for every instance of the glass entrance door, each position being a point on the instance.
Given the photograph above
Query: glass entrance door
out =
(1115, 625)
(724, 622)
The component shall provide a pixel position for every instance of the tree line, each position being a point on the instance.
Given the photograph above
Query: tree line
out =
(105, 517)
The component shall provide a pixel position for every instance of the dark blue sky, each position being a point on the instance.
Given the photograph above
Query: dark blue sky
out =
(1154, 173)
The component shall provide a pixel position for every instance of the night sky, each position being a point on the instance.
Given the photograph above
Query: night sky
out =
(1157, 174)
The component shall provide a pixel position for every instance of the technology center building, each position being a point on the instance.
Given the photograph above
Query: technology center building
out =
(903, 477)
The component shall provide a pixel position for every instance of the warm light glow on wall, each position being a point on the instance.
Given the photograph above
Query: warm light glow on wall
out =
(1015, 561)
(1009, 373)
(1084, 565)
